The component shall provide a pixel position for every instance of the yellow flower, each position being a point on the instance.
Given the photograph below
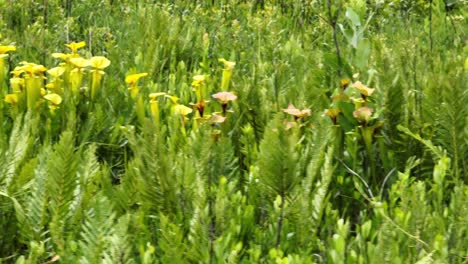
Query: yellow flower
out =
(132, 79)
(154, 96)
(224, 97)
(154, 106)
(80, 62)
(17, 72)
(17, 84)
(54, 101)
(182, 110)
(198, 80)
(173, 98)
(344, 83)
(333, 114)
(227, 73)
(228, 65)
(74, 46)
(99, 62)
(54, 98)
(292, 110)
(5, 49)
(56, 72)
(364, 90)
(62, 56)
(32, 68)
(11, 99)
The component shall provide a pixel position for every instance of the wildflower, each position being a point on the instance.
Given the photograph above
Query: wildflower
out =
(224, 98)
(154, 106)
(333, 114)
(17, 84)
(344, 83)
(292, 110)
(131, 80)
(198, 80)
(363, 114)
(76, 75)
(182, 110)
(63, 56)
(11, 99)
(56, 72)
(54, 98)
(79, 62)
(154, 96)
(54, 101)
(33, 81)
(364, 90)
(200, 106)
(17, 71)
(217, 119)
(199, 86)
(227, 73)
(74, 46)
(32, 69)
(5, 49)
(98, 64)
(173, 98)
(228, 65)
(3, 55)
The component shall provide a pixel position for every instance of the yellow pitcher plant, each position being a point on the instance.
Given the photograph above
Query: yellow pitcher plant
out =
(98, 64)
(154, 106)
(33, 80)
(227, 73)
(3, 56)
(131, 81)
(76, 75)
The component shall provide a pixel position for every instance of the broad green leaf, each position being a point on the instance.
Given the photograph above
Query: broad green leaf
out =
(353, 16)
(362, 53)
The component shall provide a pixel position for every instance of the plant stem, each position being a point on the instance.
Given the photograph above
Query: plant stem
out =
(279, 225)
(430, 23)
(332, 21)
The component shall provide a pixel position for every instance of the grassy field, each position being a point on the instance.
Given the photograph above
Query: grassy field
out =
(266, 131)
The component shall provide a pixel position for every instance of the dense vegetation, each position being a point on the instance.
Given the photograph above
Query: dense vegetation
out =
(267, 131)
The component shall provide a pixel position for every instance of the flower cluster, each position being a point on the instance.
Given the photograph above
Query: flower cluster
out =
(198, 109)
(352, 105)
(34, 83)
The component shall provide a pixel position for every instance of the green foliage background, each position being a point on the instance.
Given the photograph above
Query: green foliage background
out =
(94, 184)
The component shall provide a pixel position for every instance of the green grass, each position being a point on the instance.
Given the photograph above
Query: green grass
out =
(107, 178)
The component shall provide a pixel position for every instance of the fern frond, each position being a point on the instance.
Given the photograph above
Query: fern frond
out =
(62, 182)
(320, 193)
(20, 143)
(120, 247)
(277, 159)
(97, 231)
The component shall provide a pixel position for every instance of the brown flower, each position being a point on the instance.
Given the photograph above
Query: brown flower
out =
(363, 114)
(292, 110)
(224, 97)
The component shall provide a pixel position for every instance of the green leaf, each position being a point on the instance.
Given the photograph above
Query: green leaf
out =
(353, 17)
(362, 53)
